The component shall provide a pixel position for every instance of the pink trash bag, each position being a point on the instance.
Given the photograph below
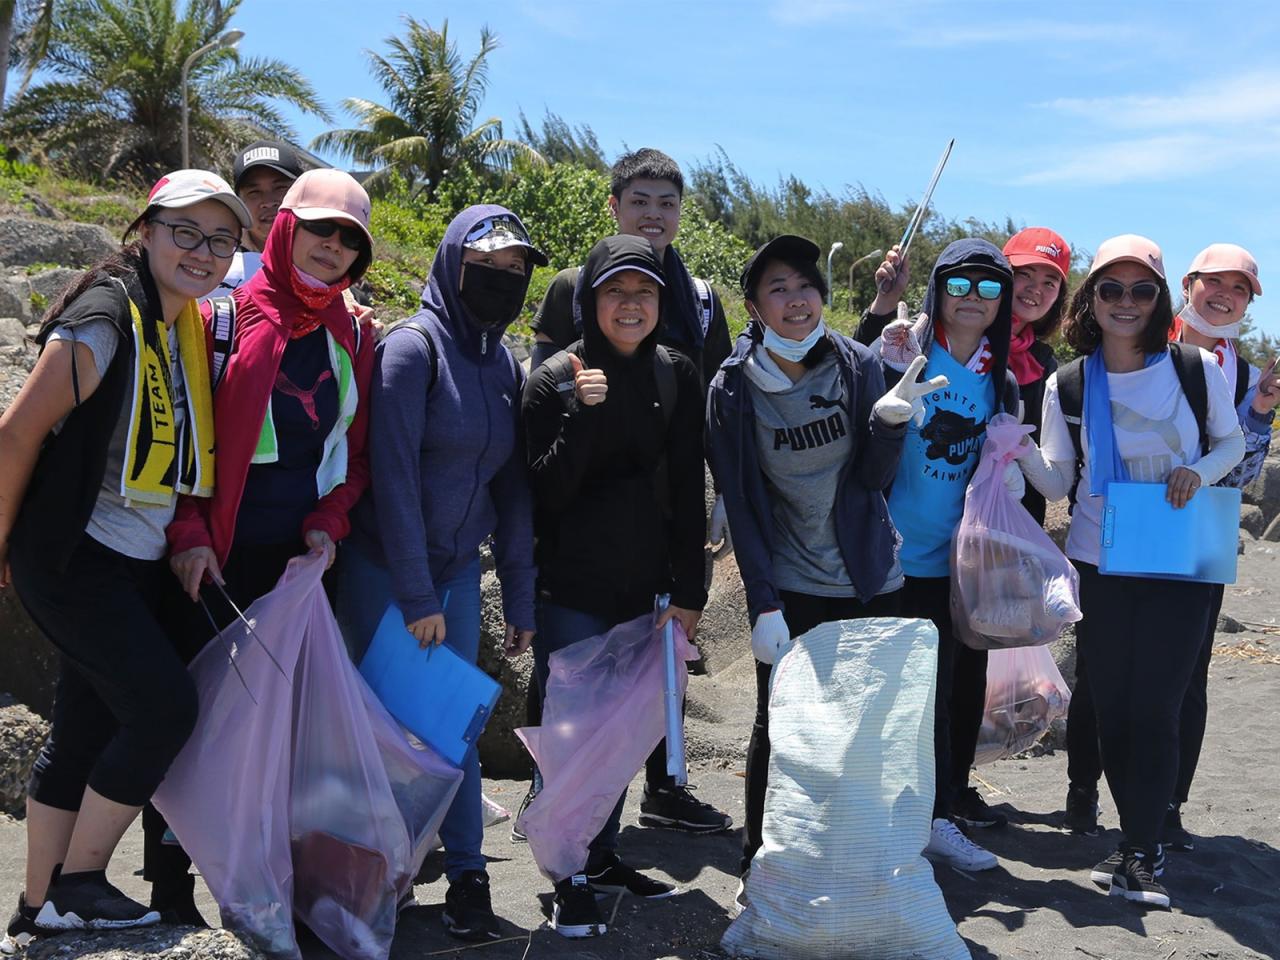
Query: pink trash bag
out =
(603, 714)
(1025, 694)
(297, 793)
(1010, 584)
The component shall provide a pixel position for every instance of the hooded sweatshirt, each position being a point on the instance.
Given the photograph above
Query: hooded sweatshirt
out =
(268, 308)
(939, 457)
(446, 448)
(609, 538)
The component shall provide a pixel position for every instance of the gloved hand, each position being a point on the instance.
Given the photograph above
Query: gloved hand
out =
(718, 531)
(905, 401)
(900, 340)
(1013, 480)
(769, 636)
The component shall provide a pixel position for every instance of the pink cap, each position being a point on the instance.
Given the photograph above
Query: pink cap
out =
(186, 188)
(1131, 247)
(1225, 257)
(1039, 245)
(329, 194)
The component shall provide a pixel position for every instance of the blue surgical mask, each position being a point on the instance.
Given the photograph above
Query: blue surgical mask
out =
(793, 350)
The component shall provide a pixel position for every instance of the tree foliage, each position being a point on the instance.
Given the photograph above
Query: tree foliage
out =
(559, 142)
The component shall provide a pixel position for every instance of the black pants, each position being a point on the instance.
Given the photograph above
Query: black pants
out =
(803, 613)
(124, 704)
(1084, 762)
(1142, 640)
(961, 694)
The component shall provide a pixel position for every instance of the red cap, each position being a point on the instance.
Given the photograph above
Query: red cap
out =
(1039, 245)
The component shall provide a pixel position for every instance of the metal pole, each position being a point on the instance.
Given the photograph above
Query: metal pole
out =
(863, 259)
(228, 39)
(838, 245)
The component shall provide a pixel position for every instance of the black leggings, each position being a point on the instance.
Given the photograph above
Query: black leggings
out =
(124, 704)
(803, 613)
(1141, 641)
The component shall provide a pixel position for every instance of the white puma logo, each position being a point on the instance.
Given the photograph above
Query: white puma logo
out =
(1130, 420)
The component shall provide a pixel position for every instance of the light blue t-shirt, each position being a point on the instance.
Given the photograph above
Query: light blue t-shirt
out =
(938, 459)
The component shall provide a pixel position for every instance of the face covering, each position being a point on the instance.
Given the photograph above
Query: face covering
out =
(494, 298)
(793, 350)
(1200, 325)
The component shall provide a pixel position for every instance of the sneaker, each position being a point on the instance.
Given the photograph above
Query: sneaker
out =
(1136, 880)
(1105, 870)
(1175, 836)
(517, 835)
(468, 909)
(1082, 811)
(22, 928)
(616, 877)
(970, 809)
(740, 901)
(174, 899)
(88, 901)
(574, 912)
(676, 808)
(948, 845)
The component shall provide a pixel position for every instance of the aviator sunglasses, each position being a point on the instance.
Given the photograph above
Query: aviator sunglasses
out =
(1142, 292)
(350, 237)
(987, 289)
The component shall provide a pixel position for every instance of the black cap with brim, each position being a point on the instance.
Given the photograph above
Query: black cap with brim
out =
(276, 154)
(786, 247)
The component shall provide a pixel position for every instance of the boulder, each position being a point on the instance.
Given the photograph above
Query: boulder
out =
(13, 302)
(1272, 533)
(21, 735)
(1264, 492)
(162, 942)
(1228, 624)
(13, 332)
(24, 242)
(501, 753)
(28, 663)
(1252, 519)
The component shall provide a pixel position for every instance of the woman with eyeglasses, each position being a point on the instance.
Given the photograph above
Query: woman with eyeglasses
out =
(1140, 636)
(114, 422)
(448, 473)
(291, 411)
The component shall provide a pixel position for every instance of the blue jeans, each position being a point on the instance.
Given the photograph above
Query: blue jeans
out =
(557, 628)
(364, 592)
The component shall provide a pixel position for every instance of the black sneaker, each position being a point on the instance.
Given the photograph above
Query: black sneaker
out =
(969, 808)
(468, 909)
(1175, 836)
(517, 835)
(22, 928)
(1135, 879)
(88, 901)
(1082, 811)
(1103, 873)
(676, 808)
(616, 877)
(574, 912)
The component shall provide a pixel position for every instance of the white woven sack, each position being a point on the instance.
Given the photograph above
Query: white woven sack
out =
(849, 803)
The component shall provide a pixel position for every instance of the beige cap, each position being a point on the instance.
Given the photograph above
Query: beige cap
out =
(329, 195)
(1225, 257)
(1131, 247)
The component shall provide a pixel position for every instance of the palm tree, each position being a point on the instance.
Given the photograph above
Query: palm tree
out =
(426, 131)
(112, 105)
(34, 19)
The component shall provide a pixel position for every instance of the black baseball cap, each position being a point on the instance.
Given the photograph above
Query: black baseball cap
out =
(786, 247)
(276, 154)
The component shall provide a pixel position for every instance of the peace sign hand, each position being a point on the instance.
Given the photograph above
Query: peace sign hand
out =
(905, 400)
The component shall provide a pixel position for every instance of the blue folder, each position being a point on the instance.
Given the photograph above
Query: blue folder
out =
(438, 696)
(1142, 535)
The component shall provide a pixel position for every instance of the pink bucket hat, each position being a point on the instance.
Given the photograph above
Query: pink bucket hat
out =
(1223, 258)
(1130, 247)
(329, 195)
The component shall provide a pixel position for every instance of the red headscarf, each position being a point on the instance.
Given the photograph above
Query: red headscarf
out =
(283, 296)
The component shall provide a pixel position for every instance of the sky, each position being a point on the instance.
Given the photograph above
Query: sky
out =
(1159, 117)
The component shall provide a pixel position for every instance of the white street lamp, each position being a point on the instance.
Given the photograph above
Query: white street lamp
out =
(228, 39)
(838, 245)
(874, 254)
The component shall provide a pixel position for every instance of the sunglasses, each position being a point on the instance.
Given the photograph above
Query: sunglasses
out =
(221, 245)
(987, 289)
(350, 237)
(1142, 292)
(496, 225)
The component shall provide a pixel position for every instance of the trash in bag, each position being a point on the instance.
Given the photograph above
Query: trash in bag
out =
(1010, 584)
(602, 715)
(849, 804)
(323, 807)
(1025, 694)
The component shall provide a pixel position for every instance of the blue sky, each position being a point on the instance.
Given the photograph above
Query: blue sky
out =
(1161, 118)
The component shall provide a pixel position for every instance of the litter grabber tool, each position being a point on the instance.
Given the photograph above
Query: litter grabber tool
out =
(671, 700)
(904, 245)
(249, 627)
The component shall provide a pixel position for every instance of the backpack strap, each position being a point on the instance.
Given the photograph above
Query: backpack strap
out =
(223, 328)
(411, 324)
(1190, 370)
(664, 371)
(1242, 379)
(705, 299)
(1071, 403)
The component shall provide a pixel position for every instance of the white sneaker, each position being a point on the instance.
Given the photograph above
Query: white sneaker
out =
(948, 845)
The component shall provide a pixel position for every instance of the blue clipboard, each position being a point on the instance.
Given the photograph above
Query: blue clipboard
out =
(1143, 536)
(440, 697)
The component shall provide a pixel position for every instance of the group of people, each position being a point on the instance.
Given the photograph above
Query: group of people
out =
(212, 401)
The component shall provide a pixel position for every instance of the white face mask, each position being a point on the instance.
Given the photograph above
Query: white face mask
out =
(793, 350)
(1192, 318)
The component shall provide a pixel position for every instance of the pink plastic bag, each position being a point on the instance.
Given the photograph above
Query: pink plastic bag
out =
(602, 716)
(1025, 694)
(311, 800)
(1010, 584)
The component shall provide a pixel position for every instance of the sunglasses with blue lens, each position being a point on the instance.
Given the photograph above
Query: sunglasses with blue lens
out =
(988, 289)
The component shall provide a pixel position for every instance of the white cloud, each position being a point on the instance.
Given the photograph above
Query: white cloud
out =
(946, 35)
(1163, 157)
(1244, 99)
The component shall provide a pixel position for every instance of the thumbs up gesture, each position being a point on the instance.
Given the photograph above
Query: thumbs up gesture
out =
(905, 400)
(589, 386)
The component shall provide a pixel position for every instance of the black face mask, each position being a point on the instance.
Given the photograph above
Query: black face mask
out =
(494, 298)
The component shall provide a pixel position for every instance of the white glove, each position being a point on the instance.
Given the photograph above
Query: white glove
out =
(769, 636)
(718, 532)
(905, 400)
(1013, 481)
(900, 339)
